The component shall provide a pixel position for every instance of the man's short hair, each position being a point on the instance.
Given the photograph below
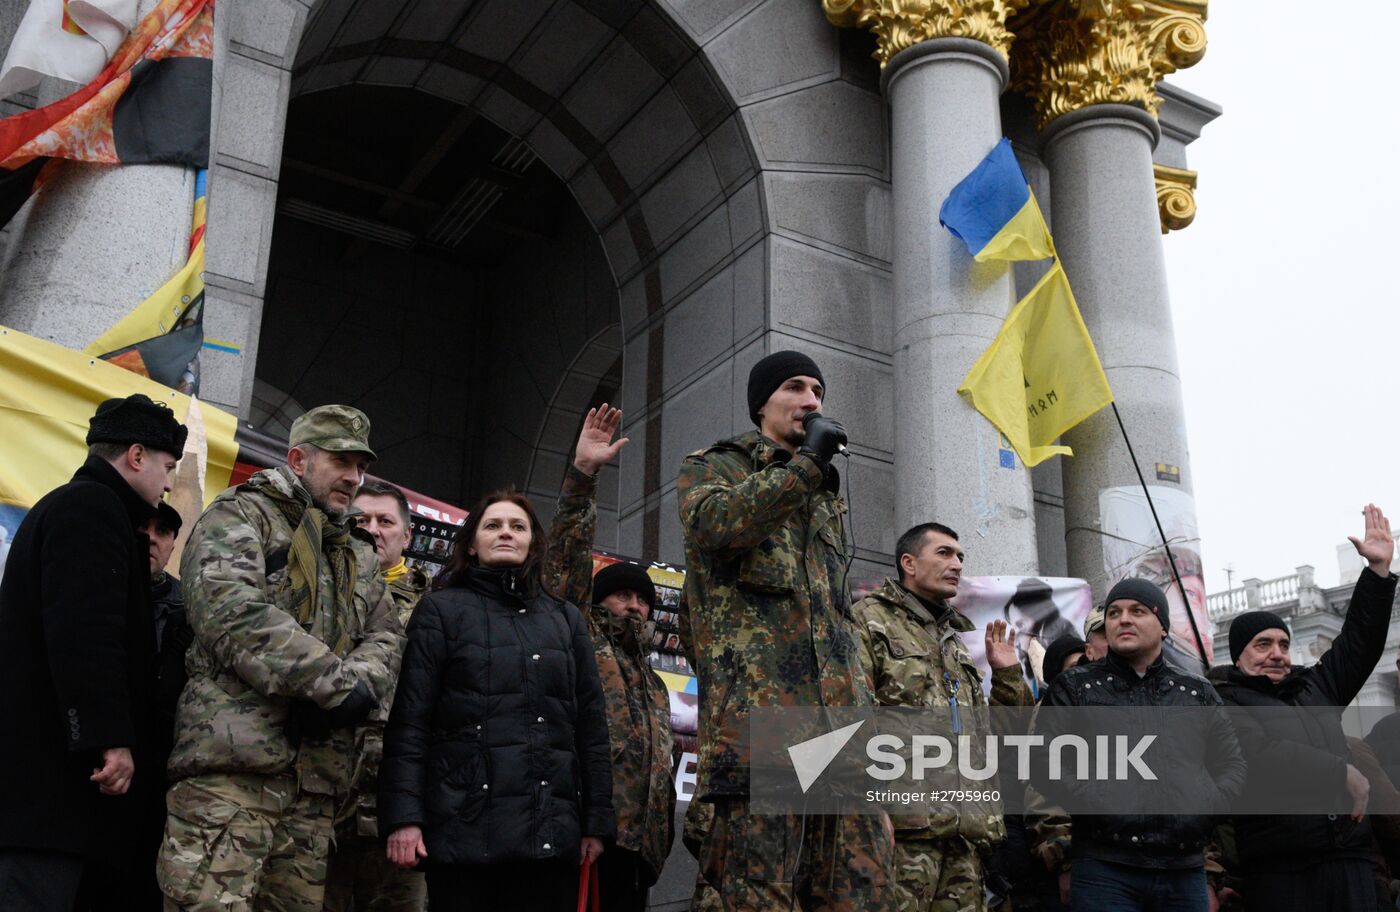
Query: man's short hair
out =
(110, 452)
(373, 487)
(912, 542)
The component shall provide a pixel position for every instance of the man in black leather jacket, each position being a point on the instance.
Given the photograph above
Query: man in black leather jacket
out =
(1122, 860)
(1316, 862)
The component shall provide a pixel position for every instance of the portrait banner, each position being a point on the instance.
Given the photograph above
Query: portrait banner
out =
(1041, 608)
(1132, 548)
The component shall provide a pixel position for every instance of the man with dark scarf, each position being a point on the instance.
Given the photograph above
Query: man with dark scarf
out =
(296, 638)
(621, 597)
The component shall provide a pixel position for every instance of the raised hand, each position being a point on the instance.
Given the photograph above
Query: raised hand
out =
(596, 447)
(1378, 546)
(1001, 645)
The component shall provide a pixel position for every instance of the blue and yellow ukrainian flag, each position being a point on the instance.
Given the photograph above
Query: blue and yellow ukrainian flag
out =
(993, 211)
(1041, 375)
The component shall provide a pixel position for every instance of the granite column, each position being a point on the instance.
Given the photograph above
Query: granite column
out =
(951, 464)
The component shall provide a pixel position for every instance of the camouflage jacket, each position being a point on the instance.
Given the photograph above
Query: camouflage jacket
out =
(765, 584)
(914, 657)
(405, 591)
(639, 710)
(251, 658)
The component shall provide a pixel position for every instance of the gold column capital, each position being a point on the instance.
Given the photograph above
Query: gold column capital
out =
(1070, 54)
(1176, 196)
(900, 24)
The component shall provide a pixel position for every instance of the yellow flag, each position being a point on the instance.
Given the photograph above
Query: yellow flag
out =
(47, 395)
(1040, 376)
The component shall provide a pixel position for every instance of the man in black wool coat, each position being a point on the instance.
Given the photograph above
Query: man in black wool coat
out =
(77, 643)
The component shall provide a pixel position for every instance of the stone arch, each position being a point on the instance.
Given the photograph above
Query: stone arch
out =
(595, 376)
(730, 156)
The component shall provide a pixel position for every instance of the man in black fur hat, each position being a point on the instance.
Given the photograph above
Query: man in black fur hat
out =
(76, 650)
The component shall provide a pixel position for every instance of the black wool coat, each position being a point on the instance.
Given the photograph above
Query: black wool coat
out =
(77, 649)
(497, 745)
(1285, 749)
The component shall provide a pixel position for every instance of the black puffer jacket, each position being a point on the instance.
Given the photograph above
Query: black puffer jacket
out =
(497, 745)
(1203, 761)
(1284, 749)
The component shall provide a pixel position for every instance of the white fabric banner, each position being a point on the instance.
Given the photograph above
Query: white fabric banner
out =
(42, 47)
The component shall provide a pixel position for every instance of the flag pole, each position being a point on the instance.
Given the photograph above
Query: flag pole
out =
(1171, 559)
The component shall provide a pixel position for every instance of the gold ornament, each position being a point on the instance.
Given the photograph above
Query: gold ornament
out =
(900, 24)
(1176, 197)
(1070, 54)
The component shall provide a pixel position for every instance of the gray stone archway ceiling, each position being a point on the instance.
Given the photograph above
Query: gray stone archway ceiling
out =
(730, 155)
(611, 97)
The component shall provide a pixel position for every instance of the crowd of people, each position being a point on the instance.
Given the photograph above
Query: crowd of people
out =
(303, 721)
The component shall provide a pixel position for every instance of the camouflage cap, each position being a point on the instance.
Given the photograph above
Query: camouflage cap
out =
(338, 428)
(1095, 621)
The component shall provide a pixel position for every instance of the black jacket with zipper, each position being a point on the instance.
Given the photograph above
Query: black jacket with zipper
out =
(497, 745)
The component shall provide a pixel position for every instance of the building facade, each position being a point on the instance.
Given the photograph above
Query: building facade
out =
(471, 218)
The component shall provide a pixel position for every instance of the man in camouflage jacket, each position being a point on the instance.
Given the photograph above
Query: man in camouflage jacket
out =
(618, 603)
(295, 641)
(911, 648)
(360, 875)
(766, 562)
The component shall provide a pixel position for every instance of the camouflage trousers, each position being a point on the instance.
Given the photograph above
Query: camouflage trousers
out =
(362, 879)
(938, 875)
(759, 862)
(244, 843)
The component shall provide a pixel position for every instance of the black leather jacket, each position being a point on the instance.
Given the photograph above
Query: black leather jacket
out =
(1204, 761)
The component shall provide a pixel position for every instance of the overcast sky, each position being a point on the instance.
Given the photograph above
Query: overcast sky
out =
(1283, 292)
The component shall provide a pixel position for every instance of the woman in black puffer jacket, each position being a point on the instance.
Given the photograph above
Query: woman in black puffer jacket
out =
(497, 769)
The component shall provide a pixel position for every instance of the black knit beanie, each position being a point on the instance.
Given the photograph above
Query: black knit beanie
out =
(1249, 625)
(1056, 653)
(621, 577)
(137, 419)
(1140, 590)
(770, 373)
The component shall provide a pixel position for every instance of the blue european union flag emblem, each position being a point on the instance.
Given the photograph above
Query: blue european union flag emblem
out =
(1007, 459)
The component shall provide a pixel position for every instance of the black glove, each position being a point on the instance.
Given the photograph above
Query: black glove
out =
(824, 437)
(307, 720)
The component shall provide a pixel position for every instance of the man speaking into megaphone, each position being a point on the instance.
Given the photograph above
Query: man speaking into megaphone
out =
(766, 558)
